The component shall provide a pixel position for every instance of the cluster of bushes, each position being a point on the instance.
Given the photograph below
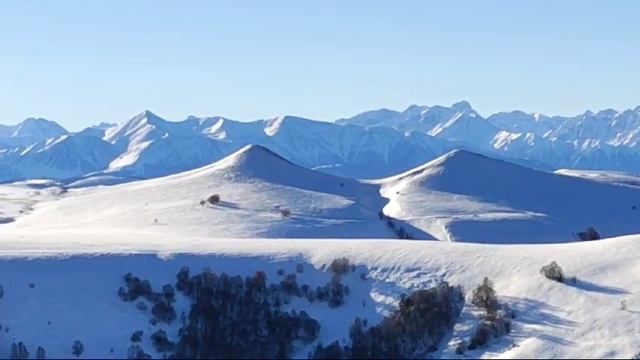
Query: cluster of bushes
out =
(20, 351)
(496, 321)
(162, 309)
(212, 200)
(421, 322)
(398, 230)
(135, 351)
(232, 316)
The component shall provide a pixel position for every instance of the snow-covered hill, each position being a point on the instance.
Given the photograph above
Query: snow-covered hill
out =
(463, 196)
(255, 186)
(63, 252)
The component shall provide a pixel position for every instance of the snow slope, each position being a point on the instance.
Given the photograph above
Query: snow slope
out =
(612, 177)
(64, 255)
(254, 184)
(460, 196)
(63, 157)
(75, 277)
(463, 196)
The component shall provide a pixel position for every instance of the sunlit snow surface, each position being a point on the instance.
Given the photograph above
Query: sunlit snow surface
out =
(75, 246)
(76, 277)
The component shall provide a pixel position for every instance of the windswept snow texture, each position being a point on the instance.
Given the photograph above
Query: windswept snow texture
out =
(463, 196)
(255, 186)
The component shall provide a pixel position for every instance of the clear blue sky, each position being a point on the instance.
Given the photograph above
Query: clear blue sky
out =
(82, 62)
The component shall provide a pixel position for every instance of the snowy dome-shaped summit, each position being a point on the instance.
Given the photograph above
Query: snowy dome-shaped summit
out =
(252, 157)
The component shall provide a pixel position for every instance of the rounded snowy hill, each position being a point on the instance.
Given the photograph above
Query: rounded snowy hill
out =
(255, 187)
(462, 196)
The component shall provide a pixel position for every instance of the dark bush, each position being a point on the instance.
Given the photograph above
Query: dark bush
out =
(289, 285)
(40, 353)
(589, 234)
(136, 288)
(340, 266)
(497, 319)
(285, 212)
(164, 311)
(336, 291)
(332, 351)
(169, 293)
(484, 296)
(213, 199)
(136, 336)
(161, 343)
(183, 279)
(422, 320)
(19, 351)
(553, 272)
(481, 336)
(77, 348)
(135, 352)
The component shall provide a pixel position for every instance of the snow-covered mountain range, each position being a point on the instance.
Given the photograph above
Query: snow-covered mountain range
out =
(372, 144)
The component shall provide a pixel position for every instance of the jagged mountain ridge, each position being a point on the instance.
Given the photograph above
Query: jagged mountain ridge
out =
(372, 144)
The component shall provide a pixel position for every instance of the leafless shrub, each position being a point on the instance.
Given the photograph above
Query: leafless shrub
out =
(553, 272)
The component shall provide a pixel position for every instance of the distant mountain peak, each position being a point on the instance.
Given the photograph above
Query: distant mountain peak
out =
(148, 116)
(38, 128)
(462, 106)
